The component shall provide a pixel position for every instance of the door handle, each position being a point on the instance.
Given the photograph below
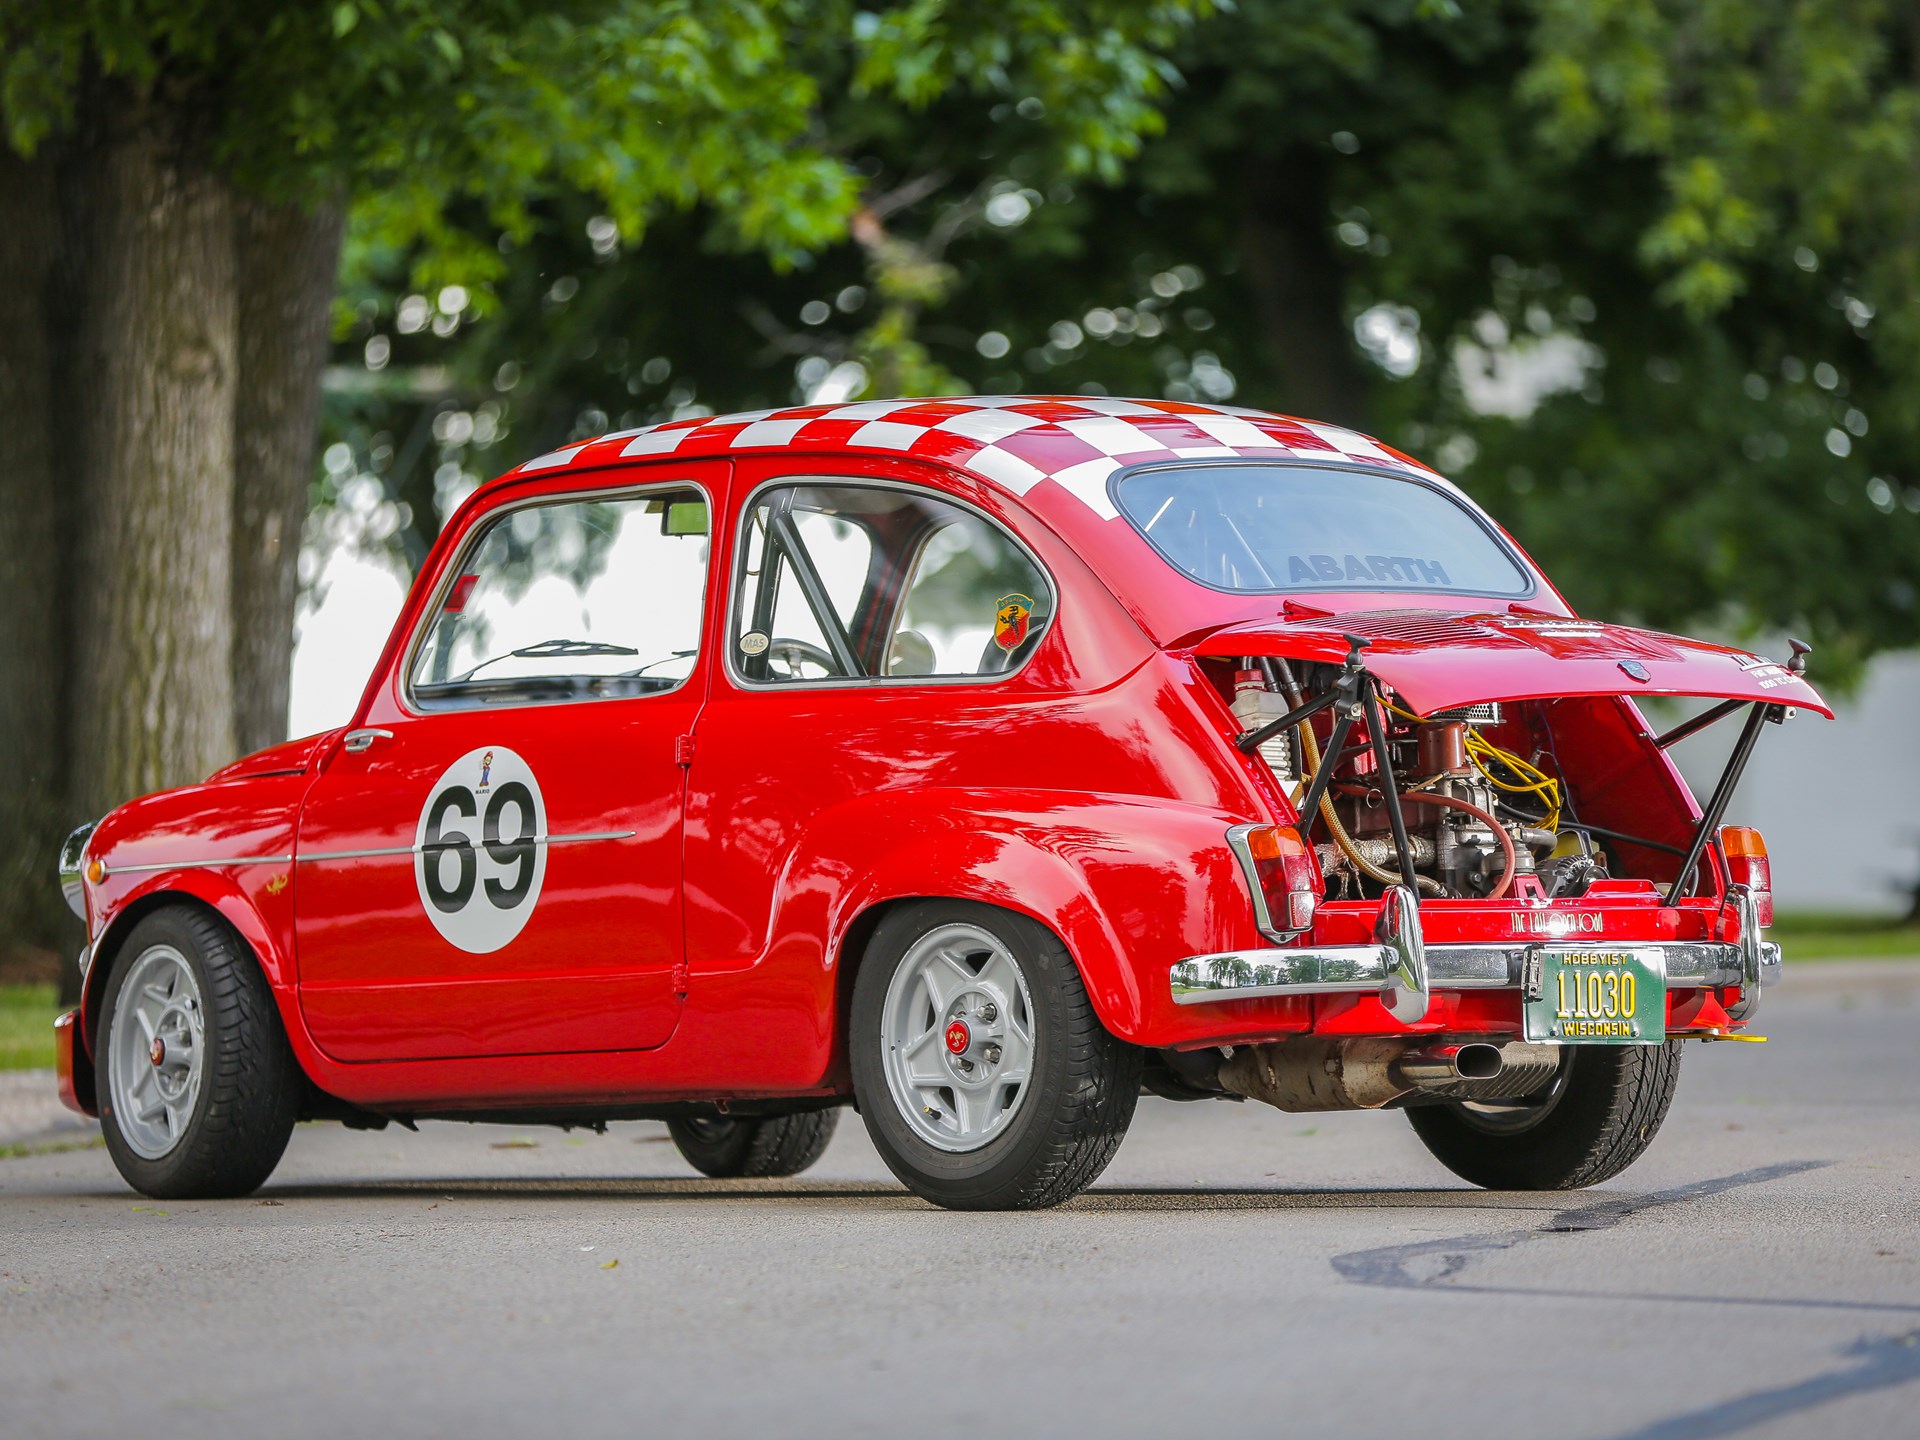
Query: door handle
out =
(359, 740)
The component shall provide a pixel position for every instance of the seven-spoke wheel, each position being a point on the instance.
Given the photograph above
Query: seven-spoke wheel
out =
(959, 1037)
(153, 1052)
(983, 1075)
(200, 1091)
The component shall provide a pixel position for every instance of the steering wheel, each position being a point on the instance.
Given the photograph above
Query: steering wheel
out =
(793, 656)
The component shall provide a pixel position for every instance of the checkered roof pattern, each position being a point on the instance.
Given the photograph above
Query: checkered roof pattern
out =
(1015, 442)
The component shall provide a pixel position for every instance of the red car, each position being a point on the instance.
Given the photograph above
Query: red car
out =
(982, 762)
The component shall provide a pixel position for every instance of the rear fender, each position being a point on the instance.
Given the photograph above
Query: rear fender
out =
(1130, 885)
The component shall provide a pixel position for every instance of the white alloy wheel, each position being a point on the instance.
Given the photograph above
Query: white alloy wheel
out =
(155, 1052)
(957, 1032)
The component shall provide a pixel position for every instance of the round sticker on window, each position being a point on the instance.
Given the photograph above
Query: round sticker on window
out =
(480, 850)
(753, 642)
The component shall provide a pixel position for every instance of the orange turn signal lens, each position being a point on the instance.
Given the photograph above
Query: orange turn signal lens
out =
(96, 872)
(1285, 871)
(1747, 865)
(1275, 842)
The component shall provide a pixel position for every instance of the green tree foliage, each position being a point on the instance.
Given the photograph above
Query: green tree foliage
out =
(172, 203)
(1641, 275)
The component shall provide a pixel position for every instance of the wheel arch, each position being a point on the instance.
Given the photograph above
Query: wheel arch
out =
(1128, 885)
(203, 890)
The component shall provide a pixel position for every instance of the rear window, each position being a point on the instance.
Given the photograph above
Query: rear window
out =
(1270, 528)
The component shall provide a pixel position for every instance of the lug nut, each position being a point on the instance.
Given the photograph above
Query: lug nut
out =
(992, 1054)
(989, 1012)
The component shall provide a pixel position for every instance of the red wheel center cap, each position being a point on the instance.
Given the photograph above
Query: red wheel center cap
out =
(157, 1052)
(958, 1037)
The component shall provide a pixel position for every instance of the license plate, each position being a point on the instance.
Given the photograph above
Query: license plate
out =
(1599, 997)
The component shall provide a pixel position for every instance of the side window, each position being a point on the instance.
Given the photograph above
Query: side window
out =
(570, 600)
(868, 583)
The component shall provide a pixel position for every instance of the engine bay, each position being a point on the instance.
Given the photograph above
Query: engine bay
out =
(1483, 793)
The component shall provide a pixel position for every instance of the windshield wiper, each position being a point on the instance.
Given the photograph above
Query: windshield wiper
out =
(549, 650)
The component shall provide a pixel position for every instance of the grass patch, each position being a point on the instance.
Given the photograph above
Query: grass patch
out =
(50, 1147)
(26, 1026)
(1813, 935)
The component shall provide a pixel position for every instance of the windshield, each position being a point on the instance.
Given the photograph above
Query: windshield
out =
(1303, 527)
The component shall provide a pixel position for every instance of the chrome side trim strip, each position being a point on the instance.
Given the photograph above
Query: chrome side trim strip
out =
(575, 839)
(197, 864)
(579, 838)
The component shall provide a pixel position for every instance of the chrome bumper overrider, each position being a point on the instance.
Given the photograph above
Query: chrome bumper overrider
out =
(1401, 965)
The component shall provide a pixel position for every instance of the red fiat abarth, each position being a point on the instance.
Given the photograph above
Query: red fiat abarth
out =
(982, 762)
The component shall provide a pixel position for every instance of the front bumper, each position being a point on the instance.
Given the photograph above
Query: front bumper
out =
(73, 1071)
(1403, 966)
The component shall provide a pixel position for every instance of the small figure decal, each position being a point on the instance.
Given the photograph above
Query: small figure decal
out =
(1010, 616)
(486, 770)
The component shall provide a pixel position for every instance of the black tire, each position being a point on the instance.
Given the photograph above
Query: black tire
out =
(250, 1085)
(1597, 1117)
(732, 1149)
(1080, 1095)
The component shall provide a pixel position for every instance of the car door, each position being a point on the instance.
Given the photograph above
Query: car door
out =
(490, 864)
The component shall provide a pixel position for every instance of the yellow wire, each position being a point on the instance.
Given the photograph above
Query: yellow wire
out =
(1482, 752)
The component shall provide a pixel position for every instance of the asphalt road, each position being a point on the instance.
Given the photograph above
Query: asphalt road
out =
(1237, 1271)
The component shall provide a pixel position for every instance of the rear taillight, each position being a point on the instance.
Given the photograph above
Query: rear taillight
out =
(1747, 865)
(1280, 867)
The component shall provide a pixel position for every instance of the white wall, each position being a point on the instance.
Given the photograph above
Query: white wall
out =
(1838, 800)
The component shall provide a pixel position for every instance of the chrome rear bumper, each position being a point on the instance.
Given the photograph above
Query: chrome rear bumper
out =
(1402, 962)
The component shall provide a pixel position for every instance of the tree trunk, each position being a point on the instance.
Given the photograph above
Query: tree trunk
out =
(32, 640)
(1298, 288)
(152, 366)
(288, 258)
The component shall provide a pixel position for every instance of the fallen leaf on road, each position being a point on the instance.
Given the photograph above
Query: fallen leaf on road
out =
(515, 1144)
(611, 1265)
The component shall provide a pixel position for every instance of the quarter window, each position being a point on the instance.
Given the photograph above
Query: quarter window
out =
(573, 599)
(846, 582)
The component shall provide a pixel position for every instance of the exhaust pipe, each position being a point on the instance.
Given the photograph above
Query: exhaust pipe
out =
(1315, 1073)
(1422, 1069)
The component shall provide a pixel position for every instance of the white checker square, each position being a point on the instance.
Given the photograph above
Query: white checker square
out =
(1005, 469)
(553, 459)
(1111, 436)
(1087, 482)
(767, 432)
(988, 426)
(1204, 452)
(869, 409)
(886, 435)
(1350, 443)
(1240, 434)
(1101, 406)
(658, 442)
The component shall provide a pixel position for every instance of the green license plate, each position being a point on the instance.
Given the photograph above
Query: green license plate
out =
(1599, 997)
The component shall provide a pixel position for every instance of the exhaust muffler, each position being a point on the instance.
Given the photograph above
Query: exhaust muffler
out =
(1322, 1073)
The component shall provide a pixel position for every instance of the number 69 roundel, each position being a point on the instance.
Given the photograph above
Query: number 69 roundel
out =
(480, 855)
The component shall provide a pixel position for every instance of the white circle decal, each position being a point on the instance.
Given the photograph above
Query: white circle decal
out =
(480, 853)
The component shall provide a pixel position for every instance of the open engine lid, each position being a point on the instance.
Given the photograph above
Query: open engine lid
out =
(1441, 659)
